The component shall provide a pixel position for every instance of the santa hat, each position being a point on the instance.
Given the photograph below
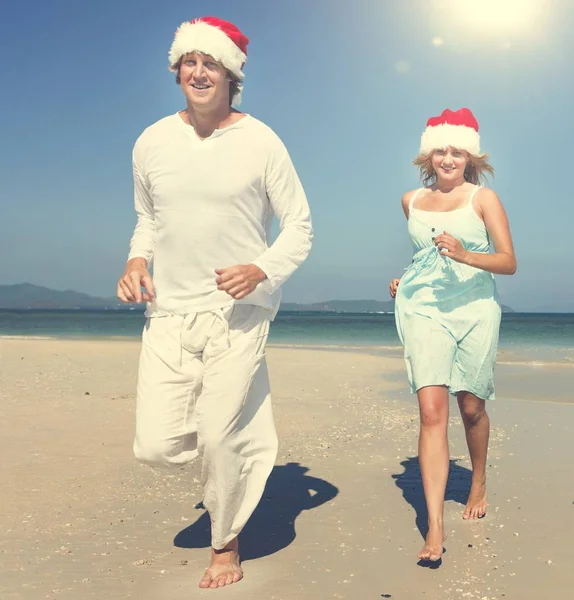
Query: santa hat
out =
(213, 36)
(458, 129)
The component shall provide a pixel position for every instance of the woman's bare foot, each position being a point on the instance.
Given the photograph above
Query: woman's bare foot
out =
(225, 567)
(432, 550)
(476, 504)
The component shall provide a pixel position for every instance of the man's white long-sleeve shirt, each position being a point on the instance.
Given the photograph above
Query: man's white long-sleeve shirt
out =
(208, 204)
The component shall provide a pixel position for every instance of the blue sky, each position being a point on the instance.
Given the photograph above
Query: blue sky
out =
(347, 85)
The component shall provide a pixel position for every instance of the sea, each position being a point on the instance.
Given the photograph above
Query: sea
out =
(550, 334)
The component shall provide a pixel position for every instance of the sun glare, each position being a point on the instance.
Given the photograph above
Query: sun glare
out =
(497, 16)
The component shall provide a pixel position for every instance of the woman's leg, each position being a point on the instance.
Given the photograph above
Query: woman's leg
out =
(477, 428)
(434, 463)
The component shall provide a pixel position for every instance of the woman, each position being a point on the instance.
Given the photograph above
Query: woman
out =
(446, 308)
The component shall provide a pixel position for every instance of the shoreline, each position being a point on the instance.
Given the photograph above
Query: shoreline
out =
(507, 355)
(525, 378)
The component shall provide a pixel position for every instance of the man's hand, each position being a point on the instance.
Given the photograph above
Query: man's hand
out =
(131, 282)
(393, 286)
(240, 280)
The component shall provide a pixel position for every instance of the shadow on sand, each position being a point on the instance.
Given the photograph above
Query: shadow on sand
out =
(288, 492)
(410, 482)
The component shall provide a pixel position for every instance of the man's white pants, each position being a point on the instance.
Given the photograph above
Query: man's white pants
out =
(203, 390)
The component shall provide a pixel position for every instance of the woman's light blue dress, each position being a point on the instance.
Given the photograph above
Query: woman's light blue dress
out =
(447, 313)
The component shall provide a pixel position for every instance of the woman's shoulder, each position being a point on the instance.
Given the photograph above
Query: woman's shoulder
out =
(487, 204)
(408, 196)
(486, 195)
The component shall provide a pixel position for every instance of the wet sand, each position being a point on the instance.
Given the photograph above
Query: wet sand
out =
(343, 511)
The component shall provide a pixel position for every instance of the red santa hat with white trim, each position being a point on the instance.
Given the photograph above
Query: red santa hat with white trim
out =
(458, 129)
(216, 37)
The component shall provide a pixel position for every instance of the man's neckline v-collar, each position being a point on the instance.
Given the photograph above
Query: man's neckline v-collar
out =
(190, 129)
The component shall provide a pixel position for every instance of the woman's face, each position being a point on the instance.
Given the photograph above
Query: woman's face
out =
(449, 163)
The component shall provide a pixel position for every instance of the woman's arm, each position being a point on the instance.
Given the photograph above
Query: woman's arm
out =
(406, 200)
(503, 260)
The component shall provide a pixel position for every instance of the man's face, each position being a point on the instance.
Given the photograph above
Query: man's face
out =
(204, 81)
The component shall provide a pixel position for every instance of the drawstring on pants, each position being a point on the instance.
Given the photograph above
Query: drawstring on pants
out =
(217, 341)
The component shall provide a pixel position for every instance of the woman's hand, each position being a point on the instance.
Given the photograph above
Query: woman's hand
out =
(393, 286)
(451, 247)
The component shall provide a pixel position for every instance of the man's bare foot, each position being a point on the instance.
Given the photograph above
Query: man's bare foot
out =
(225, 567)
(432, 550)
(476, 504)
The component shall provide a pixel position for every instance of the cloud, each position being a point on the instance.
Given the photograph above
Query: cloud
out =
(402, 67)
(437, 41)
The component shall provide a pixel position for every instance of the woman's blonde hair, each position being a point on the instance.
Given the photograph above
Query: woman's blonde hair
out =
(476, 172)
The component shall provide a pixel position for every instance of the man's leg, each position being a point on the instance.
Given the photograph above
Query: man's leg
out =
(237, 438)
(169, 381)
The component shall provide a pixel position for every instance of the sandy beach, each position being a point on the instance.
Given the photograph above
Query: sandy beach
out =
(342, 513)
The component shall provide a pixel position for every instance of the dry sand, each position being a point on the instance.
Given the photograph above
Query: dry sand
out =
(82, 519)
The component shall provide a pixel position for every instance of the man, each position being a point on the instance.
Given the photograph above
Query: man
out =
(207, 182)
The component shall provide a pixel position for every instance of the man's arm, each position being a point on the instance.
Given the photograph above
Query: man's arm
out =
(136, 274)
(143, 239)
(289, 204)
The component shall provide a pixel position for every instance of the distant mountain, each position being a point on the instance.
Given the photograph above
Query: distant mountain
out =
(354, 306)
(351, 306)
(27, 296)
